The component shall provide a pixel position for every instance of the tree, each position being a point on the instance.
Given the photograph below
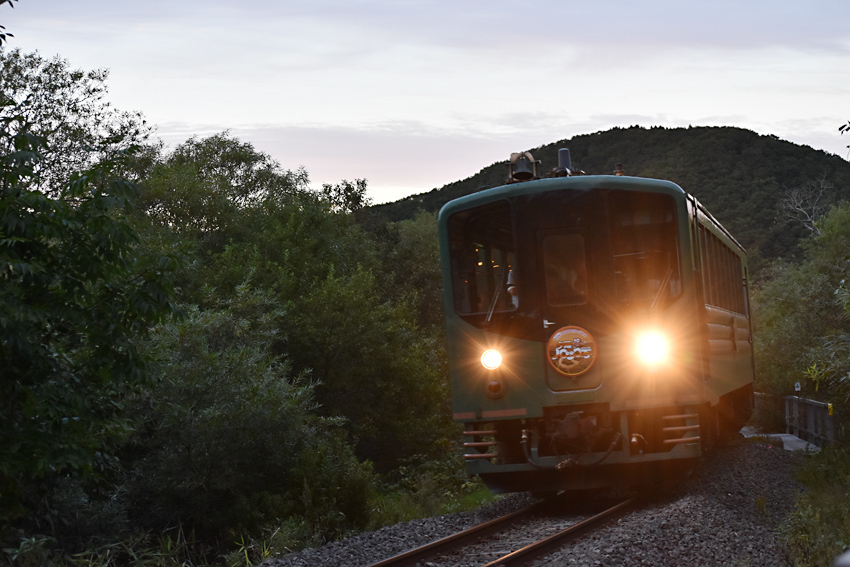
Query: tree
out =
(374, 364)
(76, 296)
(410, 257)
(215, 190)
(228, 442)
(346, 197)
(801, 317)
(247, 217)
(806, 204)
(320, 325)
(67, 108)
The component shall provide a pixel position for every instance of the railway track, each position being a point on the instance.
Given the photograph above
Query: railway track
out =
(539, 535)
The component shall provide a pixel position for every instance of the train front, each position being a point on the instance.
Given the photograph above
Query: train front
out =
(572, 332)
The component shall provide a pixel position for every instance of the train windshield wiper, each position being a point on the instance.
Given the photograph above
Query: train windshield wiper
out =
(496, 295)
(664, 283)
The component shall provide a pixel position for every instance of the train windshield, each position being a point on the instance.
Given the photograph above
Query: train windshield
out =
(580, 249)
(565, 268)
(482, 252)
(644, 244)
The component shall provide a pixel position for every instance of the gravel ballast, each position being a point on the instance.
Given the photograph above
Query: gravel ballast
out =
(727, 513)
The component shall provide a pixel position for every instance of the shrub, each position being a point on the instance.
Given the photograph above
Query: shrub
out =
(227, 440)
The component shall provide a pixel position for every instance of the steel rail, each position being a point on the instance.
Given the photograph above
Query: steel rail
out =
(534, 550)
(453, 541)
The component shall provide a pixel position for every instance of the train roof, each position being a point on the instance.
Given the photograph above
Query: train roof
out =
(583, 183)
(577, 182)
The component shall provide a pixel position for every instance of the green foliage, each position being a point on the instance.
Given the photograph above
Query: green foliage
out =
(818, 528)
(356, 336)
(4, 35)
(214, 190)
(801, 319)
(135, 551)
(410, 257)
(308, 348)
(792, 311)
(66, 108)
(228, 440)
(76, 296)
(374, 366)
(336, 490)
(234, 211)
(428, 485)
(346, 196)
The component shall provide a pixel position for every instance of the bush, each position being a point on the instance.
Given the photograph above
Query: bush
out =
(227, 441)
(802, 329)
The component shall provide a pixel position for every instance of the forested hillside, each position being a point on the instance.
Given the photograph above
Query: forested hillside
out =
(740, 176)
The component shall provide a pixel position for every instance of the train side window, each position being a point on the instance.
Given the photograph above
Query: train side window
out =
(706, 270)
(737, 282)
(722, 273)
(714, 261)
(482, 257)
(728, 260)
(565, 269)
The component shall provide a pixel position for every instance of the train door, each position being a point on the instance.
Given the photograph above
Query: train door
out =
(564, 277)
(566, 320)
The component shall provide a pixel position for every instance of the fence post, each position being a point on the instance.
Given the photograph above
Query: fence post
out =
(787, 415)
(830, 425)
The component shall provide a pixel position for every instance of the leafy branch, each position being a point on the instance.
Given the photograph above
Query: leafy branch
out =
(3, 33)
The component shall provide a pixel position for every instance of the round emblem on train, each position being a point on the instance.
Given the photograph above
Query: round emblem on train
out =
(571, 351)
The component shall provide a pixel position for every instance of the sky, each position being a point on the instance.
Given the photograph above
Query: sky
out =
(413, 94)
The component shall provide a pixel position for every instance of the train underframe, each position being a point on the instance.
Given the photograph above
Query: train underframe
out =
(589, 446)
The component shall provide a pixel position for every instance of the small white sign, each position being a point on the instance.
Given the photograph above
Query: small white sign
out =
(797, 387)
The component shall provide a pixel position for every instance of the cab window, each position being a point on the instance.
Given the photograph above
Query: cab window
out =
(645, 246)
(482, 257)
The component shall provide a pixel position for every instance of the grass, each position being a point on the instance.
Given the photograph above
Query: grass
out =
(472, 500)
(427, 499)
(420, 495)
(818, 529)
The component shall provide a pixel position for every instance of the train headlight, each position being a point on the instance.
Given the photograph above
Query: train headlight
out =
(491, 359)
(653, 348)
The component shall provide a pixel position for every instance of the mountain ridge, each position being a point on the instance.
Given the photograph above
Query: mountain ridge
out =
(739, 175)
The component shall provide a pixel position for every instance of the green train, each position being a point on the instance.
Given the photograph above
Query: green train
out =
(598, 329)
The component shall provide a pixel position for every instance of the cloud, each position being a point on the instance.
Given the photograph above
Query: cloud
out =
(534, 29)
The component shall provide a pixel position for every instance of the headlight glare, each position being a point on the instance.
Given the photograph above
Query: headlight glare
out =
(491, 359)
(653, 348)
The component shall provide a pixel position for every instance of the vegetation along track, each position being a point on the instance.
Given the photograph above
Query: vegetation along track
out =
(537, 529)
